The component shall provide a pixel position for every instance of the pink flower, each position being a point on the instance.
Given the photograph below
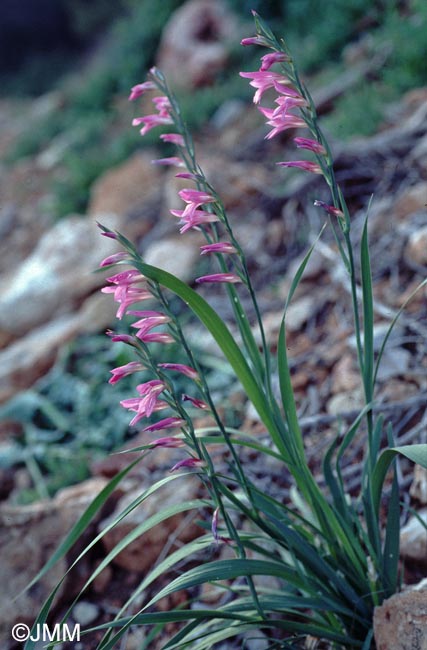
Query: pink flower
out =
(306, 165)
(254, 40)
(110, 234)
(126, 277)
(311, 145)
(172, 161)
(174, 138)
(286, 102)
(163, 105)
(188, 176)
(148, 402)
(330, 209)
(140, 89)
(218, 247)
(196, 196)
(148, 322)
(124, 292)
(127, 295)
(155, 337)
(262, 80)
(219, 277)
(168, 442)
(281, 121)
(113, 259)
(121, 338)
(198, 403)
(191, 463)
(150, 122)
(146, 313)
(180, 367)
(124, 371)
(194, 218)
(270, 59)
(166, 423)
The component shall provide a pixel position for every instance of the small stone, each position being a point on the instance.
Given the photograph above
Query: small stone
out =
(418, 489)
(299, 312)
(411, 200)
(124, 189)
(401, 622)
(413, 539)
(345, 376)
(256, 640)
(344, 402)
(416, 248)
(85, 613)
(177, 255)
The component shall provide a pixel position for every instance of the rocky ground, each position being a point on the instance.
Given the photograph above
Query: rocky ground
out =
(49, 296)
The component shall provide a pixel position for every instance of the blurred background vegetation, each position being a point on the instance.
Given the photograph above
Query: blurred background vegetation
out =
(105, 48)
(99, 51)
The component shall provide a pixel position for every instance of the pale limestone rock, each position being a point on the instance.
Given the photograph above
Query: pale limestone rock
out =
(28, 358)
(57, 275)
(413, 539)
(177, 255)
(401, 622)
(418, 489)
(128, 188)
(194, 44)
(416, 248)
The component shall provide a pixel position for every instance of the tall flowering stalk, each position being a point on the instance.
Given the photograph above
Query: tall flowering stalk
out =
(334, 558)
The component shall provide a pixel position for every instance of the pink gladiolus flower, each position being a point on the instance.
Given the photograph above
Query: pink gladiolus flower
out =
(263, 80)
(254, 40)
(280, 122)
(196, 196)
(144, 325)
(330, 209)
(127, 295)
(109, 234)
(140, 89)
(124, 371)
(172, 161)
(219, 277)
(286, 102)
(194, 219)
(146, 313)
(311, 145)
(198, 403)
(150, 122)
(168, 442)
(270, 59)
(155, 337)
(187, 176)
(148, 322)
(126, 277)
(218, 247)
(148, 402)
(174, 138)
(191, 463)
(124, 292)
(163, 105)
(166, 423)
(306, 165)
(183, 369)
(120, 338)
(113, 259)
